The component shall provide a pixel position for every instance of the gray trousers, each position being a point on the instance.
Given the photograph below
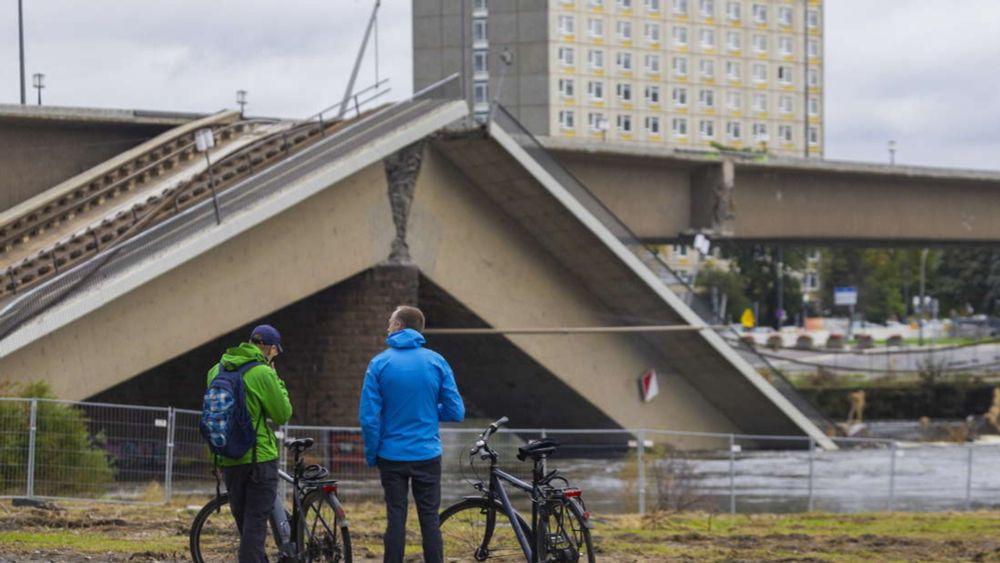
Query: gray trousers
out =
(251, 496)
(425, 479)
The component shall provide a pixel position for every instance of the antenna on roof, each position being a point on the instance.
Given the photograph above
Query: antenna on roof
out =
(357, 62)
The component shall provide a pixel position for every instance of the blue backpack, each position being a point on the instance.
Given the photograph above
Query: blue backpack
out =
(225, 420)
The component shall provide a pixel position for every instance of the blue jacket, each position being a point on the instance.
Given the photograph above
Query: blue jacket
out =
(407, 391)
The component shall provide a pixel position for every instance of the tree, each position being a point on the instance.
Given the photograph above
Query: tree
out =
(756, 267)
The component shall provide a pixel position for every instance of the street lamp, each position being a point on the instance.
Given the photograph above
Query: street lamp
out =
(923, 297)
(892, 152)
(241, 99)
(38, 82)
(20, 38)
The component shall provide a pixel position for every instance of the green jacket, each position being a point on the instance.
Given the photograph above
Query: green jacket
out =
(263, 387)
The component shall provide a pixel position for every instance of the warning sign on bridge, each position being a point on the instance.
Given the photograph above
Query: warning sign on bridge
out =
(648, 386)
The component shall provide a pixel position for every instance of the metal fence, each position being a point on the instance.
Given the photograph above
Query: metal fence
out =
(122, 453)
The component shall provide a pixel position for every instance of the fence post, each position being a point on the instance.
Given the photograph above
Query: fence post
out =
(968, 477)
(168, 474)
(732, 474)
(32, 427)
(812, 456)
(282, 460)
(892, 477)
(641, 461)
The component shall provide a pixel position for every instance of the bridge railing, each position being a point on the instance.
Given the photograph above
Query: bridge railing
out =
(122, 453)
(680, 286)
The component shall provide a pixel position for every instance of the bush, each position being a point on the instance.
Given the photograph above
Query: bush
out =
(864, 342)
(804, 342)
(775, 342)
(68, 458)
(835, 342)
(894, 340)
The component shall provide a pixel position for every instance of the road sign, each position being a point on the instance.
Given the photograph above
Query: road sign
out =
(845, 296)
(648, 386)
(747, 319)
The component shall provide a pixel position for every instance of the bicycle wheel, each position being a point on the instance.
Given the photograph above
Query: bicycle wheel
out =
(324, 532)
(472, 532)
(214, 537)
(563, 534)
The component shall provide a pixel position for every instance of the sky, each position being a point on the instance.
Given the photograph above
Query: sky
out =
(920, 72)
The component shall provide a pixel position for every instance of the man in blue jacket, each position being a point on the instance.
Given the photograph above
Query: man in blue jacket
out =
(407, 391)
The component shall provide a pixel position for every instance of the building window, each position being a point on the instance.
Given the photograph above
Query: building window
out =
(652, 5)
(566, 120)
(759, 72)
(813, 77)
(786, 104)
(707, 68)
(595, 59)
(481, 93)
(624, 92)
(784, 74)
(706, 98)
(653, 64)
(624, 61)
(653, 125)
(759, 102)
(760, 132)
(812, 18)
(734, 40)
(733, 11)
(734, 70)
(680, 35)
(625, 4)
(567, 2)
(624, 123)
(624, 30)
(813, 48)
(652, 95)
(681, 7)
(813, 106)
(596, 122)
(707, 37)
(595, 27)
(479, 5)
(653, 32)
(706, 8)
(759, 41)
(785, 133)
(679, 127)
(813, 136)
(812, 281)
(733, 130)
(759, 13)
(734, 101)
(596, 3)
(479, 33)
(567, 25)
(785, 15)
(707, 129)
(680, 97)
(480, 62)
(680, 66)
(786, 45)
(566, 88)
(595, 90)
(566, 56)
(680, 250)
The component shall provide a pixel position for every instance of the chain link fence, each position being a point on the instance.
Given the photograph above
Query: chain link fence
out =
(121, 453)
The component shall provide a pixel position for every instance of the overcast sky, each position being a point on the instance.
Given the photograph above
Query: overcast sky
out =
(922, 72)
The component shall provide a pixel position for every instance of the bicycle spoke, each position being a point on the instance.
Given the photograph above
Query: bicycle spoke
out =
(463, 534)
(321, 542)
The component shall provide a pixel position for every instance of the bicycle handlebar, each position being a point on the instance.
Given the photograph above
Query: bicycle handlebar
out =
(485, 436)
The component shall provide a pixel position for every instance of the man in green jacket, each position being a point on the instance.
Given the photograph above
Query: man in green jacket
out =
(252, 486)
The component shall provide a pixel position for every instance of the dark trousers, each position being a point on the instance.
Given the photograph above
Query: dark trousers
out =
(252, 489)
(425, 478)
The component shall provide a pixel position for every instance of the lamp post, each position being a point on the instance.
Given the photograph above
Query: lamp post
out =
(20, 37)
(892, 152)
(241, 99)
(38, 82)
(923, 298)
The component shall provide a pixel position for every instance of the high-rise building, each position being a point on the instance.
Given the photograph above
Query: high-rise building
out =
(680, 73)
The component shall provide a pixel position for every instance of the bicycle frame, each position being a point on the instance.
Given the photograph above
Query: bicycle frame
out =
(496, 490)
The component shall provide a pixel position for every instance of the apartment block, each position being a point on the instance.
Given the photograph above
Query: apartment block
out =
(692, 74)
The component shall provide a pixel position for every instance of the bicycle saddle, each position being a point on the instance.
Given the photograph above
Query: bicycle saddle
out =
(537, 449)
(300, 444)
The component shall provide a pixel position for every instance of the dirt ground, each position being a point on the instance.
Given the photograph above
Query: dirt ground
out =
(73, 532)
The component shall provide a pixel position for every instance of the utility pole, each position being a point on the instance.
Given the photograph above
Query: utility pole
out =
(781, 287)
(892, 152)
(38, 82)
(20, 35)
(923, 298)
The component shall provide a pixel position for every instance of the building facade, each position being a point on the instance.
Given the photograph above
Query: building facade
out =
(696, 74)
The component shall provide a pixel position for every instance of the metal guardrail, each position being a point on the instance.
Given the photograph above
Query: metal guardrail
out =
(620, 230)
(122, 453)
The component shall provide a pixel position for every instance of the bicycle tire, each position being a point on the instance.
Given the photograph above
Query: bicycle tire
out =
(323, 530)
(214, 537)
(463, 528)
(571, 534)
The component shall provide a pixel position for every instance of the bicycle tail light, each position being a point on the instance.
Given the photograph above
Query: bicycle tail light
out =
(330, 489)
(572, 493)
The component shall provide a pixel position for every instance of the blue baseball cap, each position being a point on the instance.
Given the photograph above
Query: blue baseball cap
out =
(267, 335)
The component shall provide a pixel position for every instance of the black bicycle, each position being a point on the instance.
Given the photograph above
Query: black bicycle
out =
(474, 528)
(315, 530)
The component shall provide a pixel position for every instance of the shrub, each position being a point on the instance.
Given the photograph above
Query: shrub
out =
(864, 342)
(835, 342)
(68, 458)
(804, 342)
(775, 342)
(894, 340)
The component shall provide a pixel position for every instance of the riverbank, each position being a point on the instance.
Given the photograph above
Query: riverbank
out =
(76, 532)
